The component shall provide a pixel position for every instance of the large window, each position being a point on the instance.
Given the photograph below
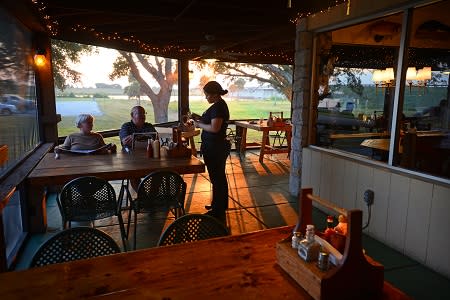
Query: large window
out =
(153, 86)
(254, 90)
(18, 114)
(357, 73)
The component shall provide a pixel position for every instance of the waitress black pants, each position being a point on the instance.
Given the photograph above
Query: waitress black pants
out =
(215, 156)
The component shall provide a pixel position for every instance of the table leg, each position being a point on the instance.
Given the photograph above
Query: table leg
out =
(193, 149)
(241, 138)
(265, 141)
(37, 213)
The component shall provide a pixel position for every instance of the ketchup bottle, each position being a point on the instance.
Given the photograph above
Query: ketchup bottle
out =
(149, 148)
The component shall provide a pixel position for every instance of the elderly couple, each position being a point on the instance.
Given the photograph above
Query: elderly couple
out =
(215, 147)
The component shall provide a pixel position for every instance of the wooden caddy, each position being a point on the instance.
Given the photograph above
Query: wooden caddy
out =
(357, 277)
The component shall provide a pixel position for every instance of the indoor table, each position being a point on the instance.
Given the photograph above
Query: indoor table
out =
(121, 165)
(233, 267)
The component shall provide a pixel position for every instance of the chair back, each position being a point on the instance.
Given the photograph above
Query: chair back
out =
(191, 228)
(87, 198)
(161, 191)
(74, 244)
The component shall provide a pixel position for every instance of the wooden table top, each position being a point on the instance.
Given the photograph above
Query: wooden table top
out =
(263, 126)
(234, 267)
(120, 165)
(335, 136)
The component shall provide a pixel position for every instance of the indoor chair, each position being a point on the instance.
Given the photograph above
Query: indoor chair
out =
(191, 228)
(89, 198)
(74, 244)
(161, 190)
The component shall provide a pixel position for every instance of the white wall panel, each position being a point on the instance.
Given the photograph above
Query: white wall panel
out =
(438, 236)
(398, 205)
(325, 177)
(306, 167)
(337, 181)
(350, 180)
(381, 187)
(365, 182)
(418, 219)
(316, 158)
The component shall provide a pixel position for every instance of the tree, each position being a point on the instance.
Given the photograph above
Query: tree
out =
(134, 89)
(237, 86)
(64, 53)
(163, 71)
(277, 76)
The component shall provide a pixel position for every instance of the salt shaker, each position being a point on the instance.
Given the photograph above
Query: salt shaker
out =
(295, 239)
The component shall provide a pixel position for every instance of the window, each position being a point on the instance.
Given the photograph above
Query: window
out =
(110, 101)
(247, 97)
(19, 129)
(357, 73)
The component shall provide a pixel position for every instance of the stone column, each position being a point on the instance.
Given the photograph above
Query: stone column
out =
(300, 103)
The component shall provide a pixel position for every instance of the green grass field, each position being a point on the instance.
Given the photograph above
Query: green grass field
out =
(116, 112)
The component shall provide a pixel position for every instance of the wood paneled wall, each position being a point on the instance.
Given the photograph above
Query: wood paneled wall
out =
(409, 214)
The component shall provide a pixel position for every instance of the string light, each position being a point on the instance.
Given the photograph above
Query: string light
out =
(301, 15)
(53, 29)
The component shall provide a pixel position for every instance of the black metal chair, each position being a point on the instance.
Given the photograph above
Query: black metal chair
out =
(89, 198)
(161, 190)
(74, 244)
(191, 228)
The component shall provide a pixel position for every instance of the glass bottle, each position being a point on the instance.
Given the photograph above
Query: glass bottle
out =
(296, 236)
(149, 148)
(308, 248)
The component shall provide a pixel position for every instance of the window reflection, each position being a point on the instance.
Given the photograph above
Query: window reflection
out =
(356, 84)
(425, 134)
(354, 108)
(18, 114)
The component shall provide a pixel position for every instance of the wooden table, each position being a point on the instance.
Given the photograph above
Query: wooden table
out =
(266, 148)
(51, 172)
(234, 267)
(359, 135)
(166, 132)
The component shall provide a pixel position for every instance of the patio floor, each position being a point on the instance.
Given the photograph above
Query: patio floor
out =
(258, 199)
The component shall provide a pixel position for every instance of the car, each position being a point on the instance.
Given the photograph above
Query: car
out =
(337, 119)
(20, 103)
(7, 109)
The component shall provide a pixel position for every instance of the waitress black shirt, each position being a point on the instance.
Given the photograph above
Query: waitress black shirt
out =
(217, 110)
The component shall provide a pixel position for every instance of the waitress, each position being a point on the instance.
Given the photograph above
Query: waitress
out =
(215, 147)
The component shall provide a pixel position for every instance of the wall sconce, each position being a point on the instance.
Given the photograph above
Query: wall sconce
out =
(411, 75)
(39, 58)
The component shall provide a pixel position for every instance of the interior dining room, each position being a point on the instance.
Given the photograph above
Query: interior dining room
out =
(353, 205)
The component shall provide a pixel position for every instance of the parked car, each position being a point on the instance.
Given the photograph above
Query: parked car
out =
(337, 119)
(7, 109)
(20, 103)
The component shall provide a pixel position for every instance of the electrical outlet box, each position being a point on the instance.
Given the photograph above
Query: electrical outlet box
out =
(368, 197)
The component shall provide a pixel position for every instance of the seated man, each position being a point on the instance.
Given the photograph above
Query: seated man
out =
(136, 125)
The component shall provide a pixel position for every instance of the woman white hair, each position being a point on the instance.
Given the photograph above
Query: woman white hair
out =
(82, 118)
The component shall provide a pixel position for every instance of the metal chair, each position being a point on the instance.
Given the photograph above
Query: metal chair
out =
(89, 198)
(74, 244)
(191, 228)
(161, 190)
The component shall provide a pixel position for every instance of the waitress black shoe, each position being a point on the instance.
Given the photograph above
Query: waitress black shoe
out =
(208, 207)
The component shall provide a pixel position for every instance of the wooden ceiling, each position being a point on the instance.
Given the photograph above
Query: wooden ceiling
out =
(259, 31)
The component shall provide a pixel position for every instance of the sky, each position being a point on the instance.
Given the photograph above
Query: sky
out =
(96, 68)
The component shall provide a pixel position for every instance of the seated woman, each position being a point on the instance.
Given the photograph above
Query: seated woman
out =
(86, 139)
